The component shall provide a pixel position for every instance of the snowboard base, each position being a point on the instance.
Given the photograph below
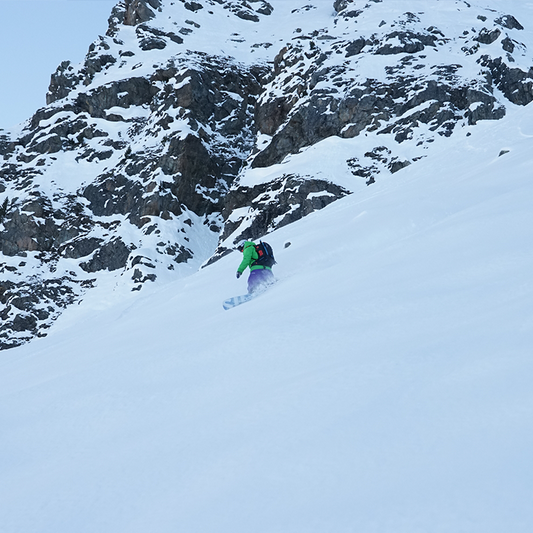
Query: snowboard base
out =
(238, 300)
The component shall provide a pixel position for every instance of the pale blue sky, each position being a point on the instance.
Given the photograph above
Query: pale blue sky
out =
(35, 36)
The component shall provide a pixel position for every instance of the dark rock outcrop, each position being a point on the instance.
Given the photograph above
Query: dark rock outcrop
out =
(273, 205)
(27, 308)
(515, 84)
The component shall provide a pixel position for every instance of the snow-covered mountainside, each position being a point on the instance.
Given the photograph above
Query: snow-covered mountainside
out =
(382, 385)
(191, 125)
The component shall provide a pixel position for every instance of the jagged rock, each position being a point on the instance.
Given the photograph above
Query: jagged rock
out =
(272, 114)
(29, 307)
(410, 43)
(396, 165)
(23, 233)
(488, 36)
(194, 173)
(378, 158)
(137, 11)
(323, 116)
(37, 226)
(118, 195)
(508, 45)
(80, 247)
(49, 145)
(64, 79)
(273, 205)
(355, 47)
(311, 105)
(6, 145)
(150, 42)
(340, 5)
(264, 9)
(154, 38)
(509, 22)
(193, 6)
(124, 93)
(111, 256)
(515, 84)
(247, 15)
(95, 64)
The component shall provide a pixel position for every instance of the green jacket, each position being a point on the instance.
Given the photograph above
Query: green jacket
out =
(249, 256)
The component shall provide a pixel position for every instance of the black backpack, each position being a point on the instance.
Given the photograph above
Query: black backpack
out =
(265, 255)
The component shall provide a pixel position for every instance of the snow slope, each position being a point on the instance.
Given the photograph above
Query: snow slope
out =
(382, 385)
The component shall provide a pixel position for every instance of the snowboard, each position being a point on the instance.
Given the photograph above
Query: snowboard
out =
(238, 300)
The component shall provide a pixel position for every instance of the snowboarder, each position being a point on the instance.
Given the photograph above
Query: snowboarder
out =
(260, 275)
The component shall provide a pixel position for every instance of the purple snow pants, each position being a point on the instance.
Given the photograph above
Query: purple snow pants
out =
(260, 279)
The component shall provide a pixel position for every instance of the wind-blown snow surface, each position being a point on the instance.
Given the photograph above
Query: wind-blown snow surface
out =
(382, 385)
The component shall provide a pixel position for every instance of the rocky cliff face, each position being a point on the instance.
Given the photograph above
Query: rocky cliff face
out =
(191, 125)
